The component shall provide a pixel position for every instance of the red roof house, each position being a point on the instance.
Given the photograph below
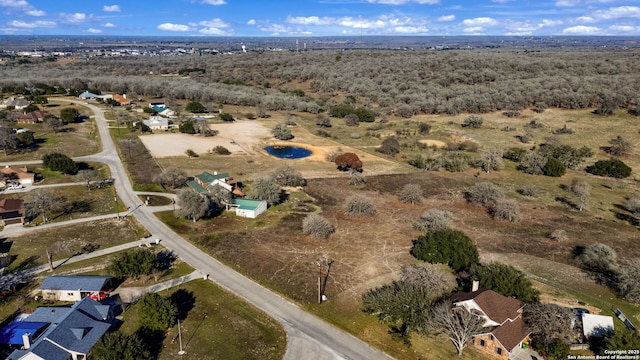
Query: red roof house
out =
(504, 330)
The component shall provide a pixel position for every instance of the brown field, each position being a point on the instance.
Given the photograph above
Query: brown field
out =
(368, 252)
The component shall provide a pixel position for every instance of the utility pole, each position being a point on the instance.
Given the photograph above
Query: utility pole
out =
(115, 200)
(181, 352)
(319, 263)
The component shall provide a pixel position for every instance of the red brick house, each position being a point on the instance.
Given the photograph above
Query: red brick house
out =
(33, 117)
(11, 211)
(504, 330)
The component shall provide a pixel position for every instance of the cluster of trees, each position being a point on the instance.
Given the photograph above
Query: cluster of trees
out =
(60, 162)
(404, 83)
(11, 141)
(490, 196)
(138, 262)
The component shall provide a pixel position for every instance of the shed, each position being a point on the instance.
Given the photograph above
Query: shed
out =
(249, 208)
(73, 288)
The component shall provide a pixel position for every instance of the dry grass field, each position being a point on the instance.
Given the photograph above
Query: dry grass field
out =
(368, 252)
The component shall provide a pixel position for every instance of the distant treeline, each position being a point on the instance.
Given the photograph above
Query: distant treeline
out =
(386, 82)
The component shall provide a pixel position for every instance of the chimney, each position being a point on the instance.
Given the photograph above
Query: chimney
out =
(124, 96)
(26, 340)
(474, 285)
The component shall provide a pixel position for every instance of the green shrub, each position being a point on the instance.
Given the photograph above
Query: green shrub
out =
(611, 168)
(554, 167)
(221, 150)
(505, 280)
(446, 246)
(60, 162)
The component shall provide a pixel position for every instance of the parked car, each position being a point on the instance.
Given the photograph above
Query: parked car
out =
(14, 187)
(98, 295)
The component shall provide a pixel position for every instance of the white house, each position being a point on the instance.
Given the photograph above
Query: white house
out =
(73, 288)
(249, 208)
(157, 123)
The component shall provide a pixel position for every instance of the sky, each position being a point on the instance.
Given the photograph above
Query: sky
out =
(306, 18)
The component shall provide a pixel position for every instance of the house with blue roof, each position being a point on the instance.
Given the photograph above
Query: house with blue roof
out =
(74, 288)
(69, 335)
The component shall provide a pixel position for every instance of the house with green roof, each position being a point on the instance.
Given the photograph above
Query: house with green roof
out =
(248, 208)
(206, 180)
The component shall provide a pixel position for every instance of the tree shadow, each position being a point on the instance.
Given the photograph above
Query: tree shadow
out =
(26, 263)
(84, 166)
(80, 206)
(184, 301)
(153, 340)
(5, 246)
(165, 259)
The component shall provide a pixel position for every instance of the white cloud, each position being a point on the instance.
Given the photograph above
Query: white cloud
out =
(15, 3)
(360, 23)
(33, 24)
(446, 18)
(109, 25)
(480, 21)
(567, 3)
(582, 30)
(275, 29)
(310, 20)
(111, 8)
(212, 31)
(251, 22)
(94, 31)
(22, 5)
(585, 19)
(214, 2)
(173, 27)
(617, 13)
(550, 23)
(35, 12)
(75, 18)
(402, 2)
(624, 29)
(215, 23)
(477, 30)
(410, 29)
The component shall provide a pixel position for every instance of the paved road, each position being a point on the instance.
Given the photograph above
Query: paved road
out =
(308, 336)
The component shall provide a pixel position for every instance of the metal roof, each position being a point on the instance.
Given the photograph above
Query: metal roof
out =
(81, 282)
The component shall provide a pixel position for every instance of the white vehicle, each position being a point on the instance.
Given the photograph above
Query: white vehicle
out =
(14, 187)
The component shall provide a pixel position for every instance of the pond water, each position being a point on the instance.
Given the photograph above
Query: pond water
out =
(288, 152)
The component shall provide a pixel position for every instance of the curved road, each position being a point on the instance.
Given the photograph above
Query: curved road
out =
(308, 337)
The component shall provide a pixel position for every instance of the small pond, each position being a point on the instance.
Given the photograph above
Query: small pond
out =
(288, 152)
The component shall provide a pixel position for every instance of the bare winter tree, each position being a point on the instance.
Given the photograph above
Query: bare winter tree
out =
(491, 160)
(88, 177)
(433, 220)
(485, 193)
(599, 257)
(171, 177)
(620, 146)
(356, 178)
(548, 322)
(193, 205)
(457, 323)
(429, 276)
(359, 205)
(317, 226)
(633, 204)
(287, 176)
(411, 194)
(581, 191)
(627, 280)
(506, 209)
(42, 202)
(266, 189)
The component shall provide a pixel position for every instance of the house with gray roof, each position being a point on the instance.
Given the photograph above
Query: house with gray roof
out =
(17, 103)
(73, 288)
(157, 123)
(70, 336)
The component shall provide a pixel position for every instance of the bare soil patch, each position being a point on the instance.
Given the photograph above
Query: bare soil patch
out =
(239, 137)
